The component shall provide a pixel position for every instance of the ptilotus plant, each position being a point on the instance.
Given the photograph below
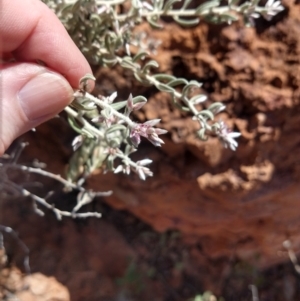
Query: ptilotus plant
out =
(104, 32)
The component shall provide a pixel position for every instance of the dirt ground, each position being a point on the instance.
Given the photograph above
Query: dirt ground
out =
(210, 219)
(121, 258)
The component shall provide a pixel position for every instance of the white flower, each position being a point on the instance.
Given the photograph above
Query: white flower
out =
(227, 136)
(144, 162)
(143, 172)
(147, 6)
(123, 168)
(229, 140)
(77, 142)
(272, 8)
(112, 97)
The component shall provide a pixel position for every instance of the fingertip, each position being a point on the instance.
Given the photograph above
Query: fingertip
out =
(32, 95)
(32, 32)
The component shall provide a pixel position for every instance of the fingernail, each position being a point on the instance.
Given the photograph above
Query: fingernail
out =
(45, 94)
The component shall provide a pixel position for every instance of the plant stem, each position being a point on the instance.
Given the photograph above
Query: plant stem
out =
(52, 176)
(102, 104)
(86, 124)
(183, 13)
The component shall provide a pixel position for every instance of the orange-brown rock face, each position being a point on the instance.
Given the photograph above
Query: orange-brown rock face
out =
(245, 202)
(35, 287)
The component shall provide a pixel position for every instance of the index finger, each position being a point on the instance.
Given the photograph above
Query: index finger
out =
(31, 31)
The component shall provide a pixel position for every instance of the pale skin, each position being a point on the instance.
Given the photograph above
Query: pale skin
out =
(30, 93)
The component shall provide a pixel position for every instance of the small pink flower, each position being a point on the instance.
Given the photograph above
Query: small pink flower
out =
(147, 130)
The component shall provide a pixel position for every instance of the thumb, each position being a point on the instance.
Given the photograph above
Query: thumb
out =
(30, 94)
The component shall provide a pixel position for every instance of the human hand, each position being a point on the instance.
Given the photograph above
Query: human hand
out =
(30, 93)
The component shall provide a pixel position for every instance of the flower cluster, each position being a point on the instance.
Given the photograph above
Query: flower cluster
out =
(148, 131)
(272, 8)
(226, 135)
(139, 168)
(110, 135)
